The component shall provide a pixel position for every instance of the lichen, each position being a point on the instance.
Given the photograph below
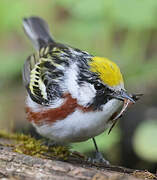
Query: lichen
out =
(25, 144)
(144, 174)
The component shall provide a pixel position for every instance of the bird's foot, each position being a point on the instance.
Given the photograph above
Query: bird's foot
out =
(99, 159)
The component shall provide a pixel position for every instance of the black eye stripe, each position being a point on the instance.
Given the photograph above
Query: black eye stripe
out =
(101, 88)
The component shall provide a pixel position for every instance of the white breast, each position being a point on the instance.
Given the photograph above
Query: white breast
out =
(80, 126)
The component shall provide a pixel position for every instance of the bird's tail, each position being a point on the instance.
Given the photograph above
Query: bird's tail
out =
(38, 31)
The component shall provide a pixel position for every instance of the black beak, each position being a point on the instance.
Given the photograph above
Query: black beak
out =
(122, 95)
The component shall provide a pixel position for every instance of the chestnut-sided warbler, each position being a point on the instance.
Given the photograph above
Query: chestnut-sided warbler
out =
(72, 95)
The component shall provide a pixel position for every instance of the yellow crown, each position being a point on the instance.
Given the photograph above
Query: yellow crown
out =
(107, 70)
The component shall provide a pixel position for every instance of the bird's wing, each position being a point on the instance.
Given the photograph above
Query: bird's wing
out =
(42, 74)
(39, 72)
(43, 71)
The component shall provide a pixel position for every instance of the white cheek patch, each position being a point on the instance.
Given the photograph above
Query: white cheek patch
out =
(86, 94)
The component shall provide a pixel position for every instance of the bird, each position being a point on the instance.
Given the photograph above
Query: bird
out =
(72, 96)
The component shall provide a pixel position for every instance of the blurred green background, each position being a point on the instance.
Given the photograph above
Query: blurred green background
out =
(124, 31)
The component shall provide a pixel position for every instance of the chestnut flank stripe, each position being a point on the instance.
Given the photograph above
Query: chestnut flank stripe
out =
(52, 115)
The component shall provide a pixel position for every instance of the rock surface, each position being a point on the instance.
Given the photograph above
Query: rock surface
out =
(23, 167)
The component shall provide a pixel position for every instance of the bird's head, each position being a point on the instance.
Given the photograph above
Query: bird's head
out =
(98, 84)
(110, 83)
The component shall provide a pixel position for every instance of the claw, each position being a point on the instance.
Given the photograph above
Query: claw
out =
(99, 159)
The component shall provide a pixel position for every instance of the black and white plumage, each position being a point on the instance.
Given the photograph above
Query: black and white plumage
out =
(44, 70)
(72, 95)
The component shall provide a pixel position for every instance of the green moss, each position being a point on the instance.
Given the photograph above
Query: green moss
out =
(28, 145)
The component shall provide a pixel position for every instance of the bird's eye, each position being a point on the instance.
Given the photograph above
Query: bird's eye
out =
(98, 86)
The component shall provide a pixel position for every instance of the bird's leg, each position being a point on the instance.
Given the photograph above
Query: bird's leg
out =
(98, 156)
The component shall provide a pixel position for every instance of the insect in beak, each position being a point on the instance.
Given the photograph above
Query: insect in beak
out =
(128, 100)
